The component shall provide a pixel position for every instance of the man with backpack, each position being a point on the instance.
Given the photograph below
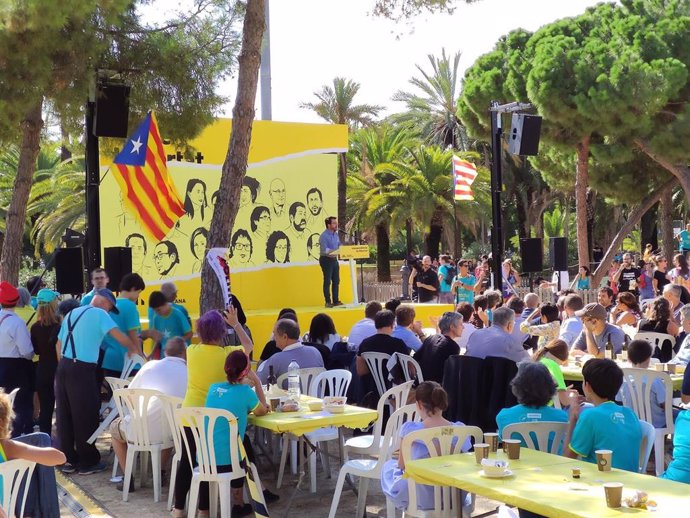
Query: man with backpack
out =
(446, 274)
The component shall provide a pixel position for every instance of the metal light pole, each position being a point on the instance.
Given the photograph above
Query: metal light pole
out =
(496, 111)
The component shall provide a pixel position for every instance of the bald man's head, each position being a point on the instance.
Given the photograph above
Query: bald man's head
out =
(176, 347)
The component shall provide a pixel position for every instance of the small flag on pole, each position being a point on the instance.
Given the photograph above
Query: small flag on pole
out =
(142, 172)
(464, 173)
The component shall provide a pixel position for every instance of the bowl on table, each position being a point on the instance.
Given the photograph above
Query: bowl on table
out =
(315, 405)
(334, 404)
(494, 467)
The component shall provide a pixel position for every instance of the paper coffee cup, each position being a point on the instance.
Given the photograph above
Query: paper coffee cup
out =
(275, 402)
(604, 459)
(671, 368)
(512, 448)
(481, 451)
(614, 494)
(659, 367)
(576, 472)
(492, 440)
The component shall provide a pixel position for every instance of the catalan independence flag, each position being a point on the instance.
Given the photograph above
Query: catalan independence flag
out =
(142, 172)
(464, 173)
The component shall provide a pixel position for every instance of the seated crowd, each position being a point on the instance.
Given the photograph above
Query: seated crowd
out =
(540, 337)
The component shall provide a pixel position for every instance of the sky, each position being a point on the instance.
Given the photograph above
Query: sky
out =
(313, 41)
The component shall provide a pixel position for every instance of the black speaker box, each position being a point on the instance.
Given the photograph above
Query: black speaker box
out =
(532, 255)
(69, 271)
(118, 263)
(558, 253)
(112, 111)
(524, 134)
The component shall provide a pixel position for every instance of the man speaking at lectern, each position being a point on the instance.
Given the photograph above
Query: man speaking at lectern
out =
(328, 260)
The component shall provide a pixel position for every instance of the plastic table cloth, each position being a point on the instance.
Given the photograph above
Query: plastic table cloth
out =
(574, 373)
(543, 483)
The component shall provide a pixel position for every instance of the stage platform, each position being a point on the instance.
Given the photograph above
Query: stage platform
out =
(261, 322)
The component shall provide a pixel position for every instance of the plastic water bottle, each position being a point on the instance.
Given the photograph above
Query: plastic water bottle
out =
(293, 381)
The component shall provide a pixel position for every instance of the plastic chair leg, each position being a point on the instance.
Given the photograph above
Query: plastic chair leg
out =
(659, 453)
(129, 467)
(338, 492)
(312, 472)
(283, 460)
(293, 456)
(156, 469)
(362, 496)
(144, 467)
(193, 502)
(390, 508)
(213, 488)
(171, 484)
(225, 499)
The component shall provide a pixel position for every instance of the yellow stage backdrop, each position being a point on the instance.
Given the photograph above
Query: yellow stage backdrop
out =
(289, 190)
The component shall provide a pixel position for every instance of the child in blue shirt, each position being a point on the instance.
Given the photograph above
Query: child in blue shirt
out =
(167, 321)
(607, 426)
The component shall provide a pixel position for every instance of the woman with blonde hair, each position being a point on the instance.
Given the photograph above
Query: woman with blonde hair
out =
(44, 335)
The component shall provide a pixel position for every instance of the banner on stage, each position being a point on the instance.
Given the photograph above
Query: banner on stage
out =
(354, 252)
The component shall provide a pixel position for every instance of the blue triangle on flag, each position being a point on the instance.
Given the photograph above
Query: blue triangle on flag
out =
(134, 150)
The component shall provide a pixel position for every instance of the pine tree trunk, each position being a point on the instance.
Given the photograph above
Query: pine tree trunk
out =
(581, 183)
(666, 223)
(649, 228)
(383, 253)
(235, 165)
(342, 193)
(432, 241)
(680, 171)
(10, 260)
(627, 227)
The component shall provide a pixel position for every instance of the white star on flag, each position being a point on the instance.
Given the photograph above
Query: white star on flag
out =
(136, 144)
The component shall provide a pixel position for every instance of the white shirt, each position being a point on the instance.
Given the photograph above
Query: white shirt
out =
(15, 340)
(570, 330)
(565, 281)
(467, 330)
(168, 376)
(361, 330)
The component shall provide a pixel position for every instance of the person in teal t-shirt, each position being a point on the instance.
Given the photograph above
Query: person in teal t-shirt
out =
(684, 238)
(534, 388)
(167, 321)
(679, 468)
(127, 321)
(170, 291)
(464, 284)
(607, 426)
(240, 400)
(446, 272)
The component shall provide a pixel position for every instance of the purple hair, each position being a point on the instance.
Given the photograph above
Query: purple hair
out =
(211, 327)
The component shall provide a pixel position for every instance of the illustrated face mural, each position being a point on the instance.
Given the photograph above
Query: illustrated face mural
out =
(314, 203)
(163, 259)
(138, 247)
(299, 222)
(199, 246)
(241, 248)
(277, 192)
(197, 194)
(245, 196)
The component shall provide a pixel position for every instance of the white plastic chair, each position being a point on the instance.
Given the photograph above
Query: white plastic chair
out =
(202, 422)
(136, 404)
(538, 434)
(442, 440)
(410, 367)
(367, 469)
(332, 383)
(376, 363)
(115, 383)
(306, 377)
(371, 444)
(13, 473)
(648, 437)
(13, 395)
(656, 340)
(170, 404)
(131, 363)
(638, 397)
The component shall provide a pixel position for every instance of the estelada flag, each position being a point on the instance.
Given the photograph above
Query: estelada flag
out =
(142, 172)
(464, 173)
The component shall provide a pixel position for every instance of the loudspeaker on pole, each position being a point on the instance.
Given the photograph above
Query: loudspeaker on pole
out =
(558, 253)
(118, 263)
(69, 271)
(112, 111)
(524, 134)
(532, 255)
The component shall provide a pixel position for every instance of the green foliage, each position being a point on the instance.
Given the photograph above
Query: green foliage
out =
(336, 104)
(402, 9)
(431, 113)
(633, 242)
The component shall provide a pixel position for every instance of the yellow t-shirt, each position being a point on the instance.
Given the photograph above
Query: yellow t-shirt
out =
(205, 366)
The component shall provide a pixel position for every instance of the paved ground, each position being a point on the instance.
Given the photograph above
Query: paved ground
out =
(304, 504)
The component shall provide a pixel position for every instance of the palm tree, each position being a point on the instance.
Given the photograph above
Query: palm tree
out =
(56, 203)
(433, 111)
(423, 191)
(336, 105)
(373, 153)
